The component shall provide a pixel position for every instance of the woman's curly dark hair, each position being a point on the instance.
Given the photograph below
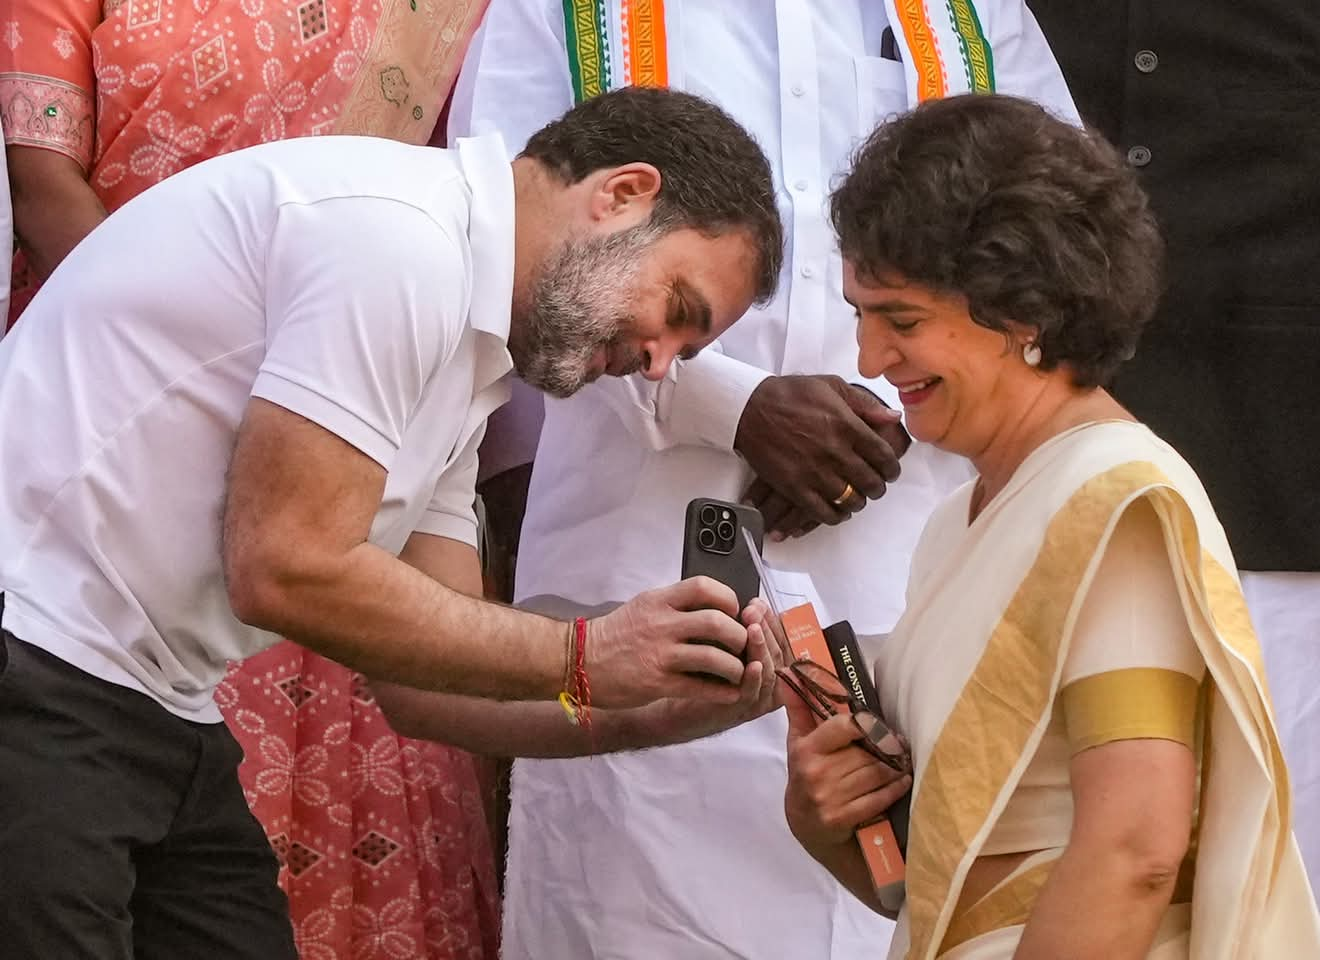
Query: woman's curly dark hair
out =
(1033, 220)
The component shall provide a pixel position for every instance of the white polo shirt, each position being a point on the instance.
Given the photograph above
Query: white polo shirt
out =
(360, 283)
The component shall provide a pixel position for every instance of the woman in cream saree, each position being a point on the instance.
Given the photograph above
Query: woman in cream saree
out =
(978, 689)
(1096, 772)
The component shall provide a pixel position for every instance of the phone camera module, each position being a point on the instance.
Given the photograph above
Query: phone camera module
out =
(717, 529)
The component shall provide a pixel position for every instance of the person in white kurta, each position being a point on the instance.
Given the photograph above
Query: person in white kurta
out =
(683, 851)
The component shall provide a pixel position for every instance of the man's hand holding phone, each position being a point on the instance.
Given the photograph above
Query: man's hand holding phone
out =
(681, 641)
(679, 720)
(686, 644)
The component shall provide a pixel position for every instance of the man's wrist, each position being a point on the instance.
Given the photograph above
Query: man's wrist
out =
(552, 647)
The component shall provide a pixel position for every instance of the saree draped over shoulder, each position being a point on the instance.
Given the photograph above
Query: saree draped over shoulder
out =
(971, 674)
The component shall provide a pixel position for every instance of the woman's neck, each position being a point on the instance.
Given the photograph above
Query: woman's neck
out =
(1058, 407)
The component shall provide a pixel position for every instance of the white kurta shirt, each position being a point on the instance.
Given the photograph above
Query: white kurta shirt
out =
(360, 283)
(683, 851)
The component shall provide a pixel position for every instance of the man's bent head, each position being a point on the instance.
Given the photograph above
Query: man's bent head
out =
(647, 225)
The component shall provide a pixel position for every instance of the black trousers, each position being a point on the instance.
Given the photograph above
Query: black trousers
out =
(124, 834)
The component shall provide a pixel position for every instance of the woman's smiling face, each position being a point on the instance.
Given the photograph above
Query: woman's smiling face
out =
(956, 378)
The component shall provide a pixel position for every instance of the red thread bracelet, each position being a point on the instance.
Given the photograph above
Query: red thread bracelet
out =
(581, 685)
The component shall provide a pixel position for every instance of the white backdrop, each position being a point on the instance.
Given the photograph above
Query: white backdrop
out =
(1285, 608)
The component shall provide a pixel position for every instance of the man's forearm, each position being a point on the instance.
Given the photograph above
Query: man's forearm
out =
(54, 206)
(378, 615)
(521, 729)
(541, 730)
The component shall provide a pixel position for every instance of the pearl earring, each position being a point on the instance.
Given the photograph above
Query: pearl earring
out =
(1031, 353)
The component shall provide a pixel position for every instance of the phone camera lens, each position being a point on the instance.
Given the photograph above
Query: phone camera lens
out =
(706, 538)
(725, 531)
(709, 515)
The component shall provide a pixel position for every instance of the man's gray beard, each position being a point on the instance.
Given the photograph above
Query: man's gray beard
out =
(581, 301)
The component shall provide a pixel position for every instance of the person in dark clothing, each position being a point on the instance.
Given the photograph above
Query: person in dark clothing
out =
(1218, 105)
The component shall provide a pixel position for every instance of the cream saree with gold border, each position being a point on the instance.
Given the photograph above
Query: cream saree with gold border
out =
(971, 671)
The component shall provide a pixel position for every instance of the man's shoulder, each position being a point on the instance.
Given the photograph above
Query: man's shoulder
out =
(395, 203)
(349, 156)
(362, 177)
(319, 168)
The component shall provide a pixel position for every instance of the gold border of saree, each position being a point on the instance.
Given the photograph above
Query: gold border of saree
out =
(1000, 714)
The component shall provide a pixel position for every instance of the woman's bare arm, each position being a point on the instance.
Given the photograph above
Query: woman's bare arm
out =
(54, 205)
(1133, 803)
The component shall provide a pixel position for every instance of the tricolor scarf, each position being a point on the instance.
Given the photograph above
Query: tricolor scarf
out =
(619, 43)
(614, 44)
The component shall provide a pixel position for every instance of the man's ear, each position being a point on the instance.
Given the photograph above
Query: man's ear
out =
(628, 191)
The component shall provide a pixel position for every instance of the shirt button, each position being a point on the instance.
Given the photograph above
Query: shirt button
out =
(808, 272)
(1146, 61)
(1139, 156)
(798, 89)
(799, 185)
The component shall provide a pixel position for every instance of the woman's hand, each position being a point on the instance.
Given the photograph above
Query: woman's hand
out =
(834, 786)
(54, 206)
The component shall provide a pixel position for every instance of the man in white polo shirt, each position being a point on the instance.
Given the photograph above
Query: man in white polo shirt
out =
(249, 404)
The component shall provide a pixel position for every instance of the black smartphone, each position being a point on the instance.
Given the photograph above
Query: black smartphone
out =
(714, 546)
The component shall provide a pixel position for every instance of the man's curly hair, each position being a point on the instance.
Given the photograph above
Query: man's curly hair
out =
(1034, 221)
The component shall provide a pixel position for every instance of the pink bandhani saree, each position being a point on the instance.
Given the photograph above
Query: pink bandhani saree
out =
(383, 841)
